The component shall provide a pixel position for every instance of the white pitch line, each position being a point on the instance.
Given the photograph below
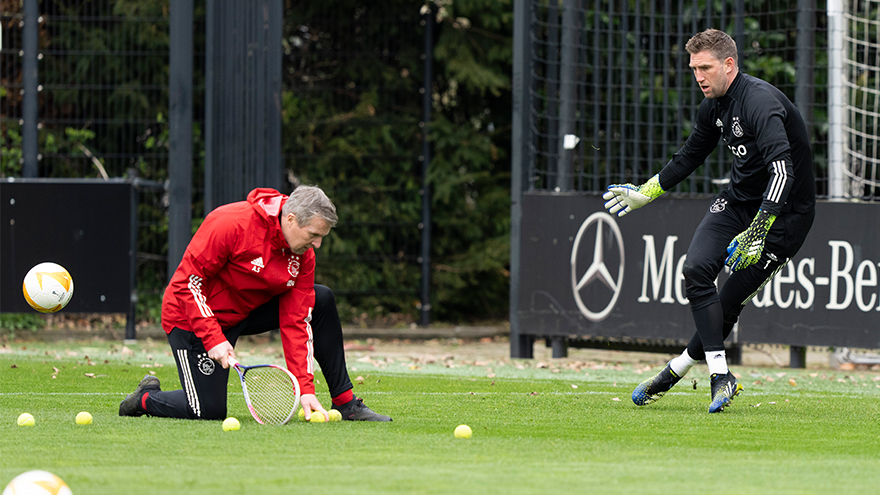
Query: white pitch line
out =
(802, 395)
(623, 393)
(58, 393)
(73, 394)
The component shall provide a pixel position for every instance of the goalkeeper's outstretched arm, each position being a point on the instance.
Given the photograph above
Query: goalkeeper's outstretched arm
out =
(623, 198)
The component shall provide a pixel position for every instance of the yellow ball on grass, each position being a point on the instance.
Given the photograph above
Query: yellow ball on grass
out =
(231, 424)
(317, 417)
(463, 431)
(301, 414)
(26, 420)
(334, 415)
(84, 418)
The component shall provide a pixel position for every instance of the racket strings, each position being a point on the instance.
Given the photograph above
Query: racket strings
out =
(270, 394)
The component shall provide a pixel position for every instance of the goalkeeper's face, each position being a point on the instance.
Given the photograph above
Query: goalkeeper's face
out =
(714, 76)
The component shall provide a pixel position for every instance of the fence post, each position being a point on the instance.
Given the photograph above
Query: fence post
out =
(242, 99)
(836, 99)
(427, 100)
(180, 124)
(571, 11)
(131, 316)
(552, 94)
(210, 35)
(30, 78)
(521, 346)
(803, 90)
(797, 357)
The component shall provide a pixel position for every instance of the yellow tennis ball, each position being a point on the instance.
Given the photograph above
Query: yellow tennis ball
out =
(317, 417)
(463, 431)
(231, 424)
(334, 415)
(84, 418)
(301, 414)
(25, 420)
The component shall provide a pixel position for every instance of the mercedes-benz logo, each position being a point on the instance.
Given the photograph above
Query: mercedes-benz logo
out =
(597, 270)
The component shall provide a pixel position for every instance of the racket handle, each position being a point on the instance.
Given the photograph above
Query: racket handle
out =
(231, 362)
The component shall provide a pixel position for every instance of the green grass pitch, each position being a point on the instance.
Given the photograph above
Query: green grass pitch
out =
(561, 428)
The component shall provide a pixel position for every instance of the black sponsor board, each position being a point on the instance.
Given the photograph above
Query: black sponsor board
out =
(83, 225)
(590, 274)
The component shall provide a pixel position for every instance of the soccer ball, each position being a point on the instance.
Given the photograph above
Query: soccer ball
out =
(47, 287)
(37, 483)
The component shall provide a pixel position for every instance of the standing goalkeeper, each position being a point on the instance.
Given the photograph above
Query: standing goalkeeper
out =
(754, 226)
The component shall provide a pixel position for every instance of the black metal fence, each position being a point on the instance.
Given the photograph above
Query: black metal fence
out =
(102, 89)
(616, 75)
(102, 108)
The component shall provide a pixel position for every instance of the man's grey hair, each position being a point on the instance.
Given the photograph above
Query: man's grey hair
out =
(307, 202)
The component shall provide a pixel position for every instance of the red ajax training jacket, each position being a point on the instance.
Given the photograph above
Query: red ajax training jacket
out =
(237, 261)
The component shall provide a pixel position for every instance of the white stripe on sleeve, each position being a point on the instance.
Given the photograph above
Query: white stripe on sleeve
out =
(779, 179)
(195, 287)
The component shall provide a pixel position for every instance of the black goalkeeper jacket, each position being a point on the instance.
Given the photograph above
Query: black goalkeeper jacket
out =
(772, 161)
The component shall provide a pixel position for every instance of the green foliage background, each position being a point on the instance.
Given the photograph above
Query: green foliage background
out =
(354, 124)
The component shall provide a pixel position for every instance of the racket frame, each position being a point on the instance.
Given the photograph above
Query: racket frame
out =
(242, 370)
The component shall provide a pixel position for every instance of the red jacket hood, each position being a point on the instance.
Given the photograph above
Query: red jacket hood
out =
(268, 202)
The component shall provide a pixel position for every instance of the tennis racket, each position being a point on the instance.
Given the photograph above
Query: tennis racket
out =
(271, 392)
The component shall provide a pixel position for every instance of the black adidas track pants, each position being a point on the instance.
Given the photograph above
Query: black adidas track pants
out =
(716, 311)
(204, 381)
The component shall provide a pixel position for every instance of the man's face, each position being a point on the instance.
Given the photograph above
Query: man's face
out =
(301, 238)
(714, 76)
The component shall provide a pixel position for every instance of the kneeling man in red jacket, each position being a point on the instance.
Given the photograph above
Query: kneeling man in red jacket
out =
(249, 269)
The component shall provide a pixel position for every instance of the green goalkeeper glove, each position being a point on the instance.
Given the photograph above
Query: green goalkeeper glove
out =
(625, 198)
(745, 249)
